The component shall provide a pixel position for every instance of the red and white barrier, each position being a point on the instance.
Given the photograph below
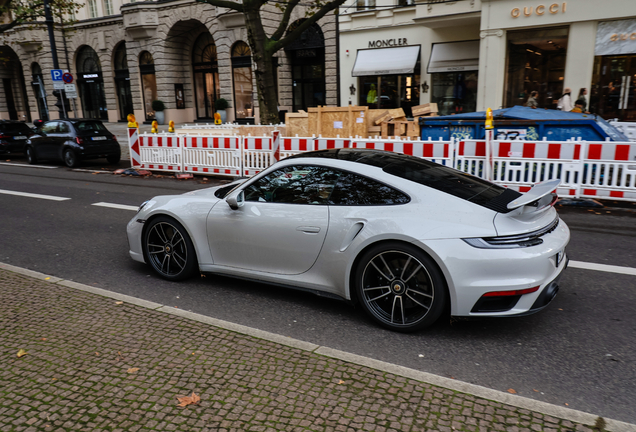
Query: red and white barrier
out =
(219, 155)
(133, 145)
(293, 146)
(609, 171)
(258, 154)
(160, 152)
(332, 143)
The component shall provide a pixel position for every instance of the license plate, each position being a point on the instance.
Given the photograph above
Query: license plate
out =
(98, 138)
(19, 137)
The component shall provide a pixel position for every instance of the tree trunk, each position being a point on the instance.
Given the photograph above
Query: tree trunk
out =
(265, 70)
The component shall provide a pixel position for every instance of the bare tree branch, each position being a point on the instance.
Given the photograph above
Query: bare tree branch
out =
(225, 4)
(280, 31)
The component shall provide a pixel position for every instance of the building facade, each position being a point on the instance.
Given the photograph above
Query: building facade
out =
(469, 55)
(187, 54)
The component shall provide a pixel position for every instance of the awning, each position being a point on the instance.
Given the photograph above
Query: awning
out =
(386, 61)
(454, 57)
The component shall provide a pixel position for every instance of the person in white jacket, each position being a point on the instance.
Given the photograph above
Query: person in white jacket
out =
(565, 103)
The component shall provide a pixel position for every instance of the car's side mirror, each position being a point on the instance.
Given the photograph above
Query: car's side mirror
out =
(235, 200)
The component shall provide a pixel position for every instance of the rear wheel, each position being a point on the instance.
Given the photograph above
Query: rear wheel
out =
(168, 249)
(70, 158)
(30, 154)
(113, 159)
(400, 287)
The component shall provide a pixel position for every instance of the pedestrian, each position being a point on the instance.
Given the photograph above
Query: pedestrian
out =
(565, 103)
(578, 106)
(582, 94)
(532, 99)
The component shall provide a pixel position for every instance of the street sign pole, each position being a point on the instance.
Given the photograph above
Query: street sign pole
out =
(48, 16)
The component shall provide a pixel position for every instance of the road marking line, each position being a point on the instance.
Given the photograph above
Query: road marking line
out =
(30, 195)
(92, 171)
(116, 206)
(603, 267)
(28, 165)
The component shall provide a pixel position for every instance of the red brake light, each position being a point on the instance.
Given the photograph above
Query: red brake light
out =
(511, 292)
(79, 140)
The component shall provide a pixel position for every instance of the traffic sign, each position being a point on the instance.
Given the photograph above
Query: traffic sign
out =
(56, 74)
(70, 90)
(58, 85)
(67, 78)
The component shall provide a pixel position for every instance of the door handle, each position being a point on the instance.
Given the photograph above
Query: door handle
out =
(309, 229)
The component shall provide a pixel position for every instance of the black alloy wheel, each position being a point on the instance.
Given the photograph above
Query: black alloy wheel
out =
(168, 249)
(30, 154)
(70, 158)
(400, 287)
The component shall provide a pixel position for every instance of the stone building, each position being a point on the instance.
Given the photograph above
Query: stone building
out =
(469, 55)
(124, 56)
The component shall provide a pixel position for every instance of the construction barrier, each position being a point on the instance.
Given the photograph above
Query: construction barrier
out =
(219, 155)
(586, 169)
(627, 128)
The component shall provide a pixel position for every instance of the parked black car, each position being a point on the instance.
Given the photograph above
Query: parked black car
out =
(72, 140)
(13, 136)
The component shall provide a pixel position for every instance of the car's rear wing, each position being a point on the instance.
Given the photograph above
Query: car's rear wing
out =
(538, 191)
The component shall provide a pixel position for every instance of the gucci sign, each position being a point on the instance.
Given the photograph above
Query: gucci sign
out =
(553, 9)
(622, 36)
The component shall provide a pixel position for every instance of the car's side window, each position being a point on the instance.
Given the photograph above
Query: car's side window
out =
(63, 128)
(50, 127)
(302, 184)
(357, 190)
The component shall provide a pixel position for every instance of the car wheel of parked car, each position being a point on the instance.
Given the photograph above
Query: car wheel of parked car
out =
(400, 287)
(113, 159)
(168, 249)
(30, 154)
(70, 158)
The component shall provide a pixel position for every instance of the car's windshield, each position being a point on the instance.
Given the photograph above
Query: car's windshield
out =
(88, 125)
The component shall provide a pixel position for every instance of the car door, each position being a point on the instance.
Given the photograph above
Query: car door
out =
(46, 142)
(281, 226)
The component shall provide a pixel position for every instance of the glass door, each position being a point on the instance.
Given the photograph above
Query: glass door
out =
(207, 89)
(614, 89)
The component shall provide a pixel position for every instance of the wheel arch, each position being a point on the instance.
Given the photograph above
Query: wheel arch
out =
(437, 261)
(181, 222)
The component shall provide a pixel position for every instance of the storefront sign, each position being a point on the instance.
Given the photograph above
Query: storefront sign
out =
(85, 76)
(540, 10)
(616, 37)
(388, 43)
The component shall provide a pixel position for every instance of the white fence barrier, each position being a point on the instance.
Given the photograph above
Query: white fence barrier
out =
(628, 129)
(586, 169)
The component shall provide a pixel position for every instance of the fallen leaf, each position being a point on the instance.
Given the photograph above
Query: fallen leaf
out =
(132, 370)
(535, 390)
(513, 391)
(188, 400)
(21, 353)
(96, 353)
(567, 404)
(47, 278)
(119, 302)
(341, 382)
(43, 339)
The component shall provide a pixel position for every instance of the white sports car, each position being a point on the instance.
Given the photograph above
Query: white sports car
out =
(402, 236)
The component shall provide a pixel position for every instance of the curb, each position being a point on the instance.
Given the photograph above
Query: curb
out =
(451, 384)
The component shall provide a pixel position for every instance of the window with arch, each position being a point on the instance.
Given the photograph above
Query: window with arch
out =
(206, 75)
(242, 77)
(148, 83)
(90, 84)
(122, 81)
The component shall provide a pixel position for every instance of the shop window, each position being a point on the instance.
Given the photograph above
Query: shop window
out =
(148, 83)
(391, 91)
(365, 4)
(242, 77)
(90, 84)
(613, 93)
(536, 62)
(454, 92)
(122, 82)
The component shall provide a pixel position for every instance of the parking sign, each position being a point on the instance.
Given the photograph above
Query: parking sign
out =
(56, 74)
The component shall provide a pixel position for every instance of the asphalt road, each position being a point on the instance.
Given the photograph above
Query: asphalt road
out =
(579, 352)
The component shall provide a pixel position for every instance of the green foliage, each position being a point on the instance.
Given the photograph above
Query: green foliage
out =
(158, 105)
(28, 12)
(220, 104)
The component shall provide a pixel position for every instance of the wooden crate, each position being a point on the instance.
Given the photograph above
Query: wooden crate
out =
(297, 124)
(349, 121)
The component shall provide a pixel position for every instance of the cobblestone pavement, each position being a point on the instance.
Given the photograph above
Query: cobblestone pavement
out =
(93, 363)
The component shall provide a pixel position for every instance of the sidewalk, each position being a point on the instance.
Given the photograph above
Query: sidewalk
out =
(114, 363)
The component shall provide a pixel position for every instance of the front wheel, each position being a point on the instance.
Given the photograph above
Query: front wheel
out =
(70, 158)
(168, 249)
(30, 154)
(400, 287)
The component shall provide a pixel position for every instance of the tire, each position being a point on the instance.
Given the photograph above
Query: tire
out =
(113, 159)
(400, 287)
(168, 249)
(30, 154)
(70, 158)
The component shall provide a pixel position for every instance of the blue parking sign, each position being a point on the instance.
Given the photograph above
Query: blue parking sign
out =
(56, 74)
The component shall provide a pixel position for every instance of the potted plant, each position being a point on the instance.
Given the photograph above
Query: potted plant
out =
(158, 107)
(220, 105)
